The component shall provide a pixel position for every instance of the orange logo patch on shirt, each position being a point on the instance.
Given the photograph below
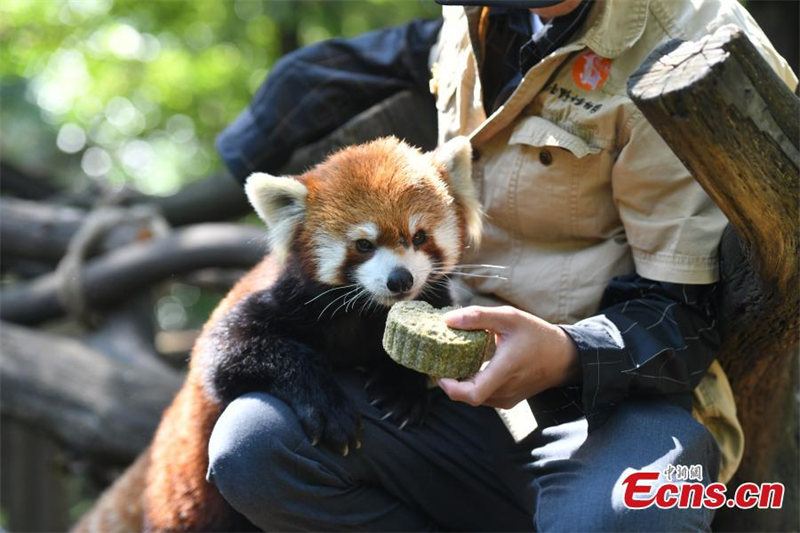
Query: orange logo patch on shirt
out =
(590, 71)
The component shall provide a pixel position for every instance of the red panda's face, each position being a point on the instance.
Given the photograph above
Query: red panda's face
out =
(382, 216)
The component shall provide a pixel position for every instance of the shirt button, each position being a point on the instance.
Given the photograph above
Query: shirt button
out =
(545, 157)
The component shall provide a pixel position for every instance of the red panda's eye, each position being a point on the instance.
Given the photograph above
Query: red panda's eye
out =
(364, 246)
(419, 238)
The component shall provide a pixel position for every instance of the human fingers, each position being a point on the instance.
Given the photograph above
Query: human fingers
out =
(497, 319)
(476, 389)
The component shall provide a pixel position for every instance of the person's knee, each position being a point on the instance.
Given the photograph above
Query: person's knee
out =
(249, 450)
(665, 435)
(597, 512)
(589, 493)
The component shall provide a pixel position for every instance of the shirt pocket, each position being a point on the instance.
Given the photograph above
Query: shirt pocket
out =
(538, 132)
(552, 180)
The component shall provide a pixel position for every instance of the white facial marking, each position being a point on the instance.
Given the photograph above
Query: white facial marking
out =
(367, 230)
(330, 255)
(420, 266)
(446, 236)
(414, 222)
(373, 274)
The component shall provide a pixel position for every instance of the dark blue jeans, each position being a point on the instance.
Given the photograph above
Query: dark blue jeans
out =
(459, 471)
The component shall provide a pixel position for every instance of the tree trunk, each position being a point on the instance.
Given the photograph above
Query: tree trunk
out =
(104, 408)
(734, 124)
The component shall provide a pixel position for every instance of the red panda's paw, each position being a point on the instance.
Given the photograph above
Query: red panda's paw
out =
(330, 419)
(401, 394)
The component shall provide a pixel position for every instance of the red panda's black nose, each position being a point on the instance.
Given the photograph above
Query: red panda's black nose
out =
(400, 280)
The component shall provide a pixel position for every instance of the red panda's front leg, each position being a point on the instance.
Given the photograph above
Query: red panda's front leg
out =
(249, 356)
(398, 391)
(401, 393)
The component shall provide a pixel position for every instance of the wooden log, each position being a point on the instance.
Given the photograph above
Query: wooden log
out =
(734, 124)
(42, 231)
(104, 408)
(212, 199)
(24, 184)
(127, 333)
(116, 275)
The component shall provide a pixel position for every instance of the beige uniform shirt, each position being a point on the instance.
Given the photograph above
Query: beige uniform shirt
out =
(576, 185)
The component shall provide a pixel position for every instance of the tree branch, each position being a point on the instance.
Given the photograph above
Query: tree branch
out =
(41, 231)
(24, 184)
(116, 275)
(213, 199)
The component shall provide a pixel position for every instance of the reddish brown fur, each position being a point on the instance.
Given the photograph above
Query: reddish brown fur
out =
(386, 166)
(401, 180)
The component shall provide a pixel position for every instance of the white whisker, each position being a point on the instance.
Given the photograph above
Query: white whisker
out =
(358, 292)
(469, 275)
(330, 290)
(501, 267)
(364, 306)
(436, 264)
(352, 301)
(345, 295)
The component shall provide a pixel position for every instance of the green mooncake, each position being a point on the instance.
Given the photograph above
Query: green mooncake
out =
(417, 337)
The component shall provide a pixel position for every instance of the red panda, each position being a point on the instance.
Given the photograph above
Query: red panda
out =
(371, 225)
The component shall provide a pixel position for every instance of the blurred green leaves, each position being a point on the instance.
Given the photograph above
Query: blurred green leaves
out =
(135, 91)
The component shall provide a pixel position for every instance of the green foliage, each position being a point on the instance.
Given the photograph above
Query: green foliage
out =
(135, 91)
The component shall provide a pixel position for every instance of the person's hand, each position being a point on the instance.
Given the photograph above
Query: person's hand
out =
(532, 355)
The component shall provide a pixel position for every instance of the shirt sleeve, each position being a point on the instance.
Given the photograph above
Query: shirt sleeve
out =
(651, 338)
(312, 91)
(671, 224)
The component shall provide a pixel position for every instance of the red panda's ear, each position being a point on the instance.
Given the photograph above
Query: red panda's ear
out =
(456, 157)
(281, 204)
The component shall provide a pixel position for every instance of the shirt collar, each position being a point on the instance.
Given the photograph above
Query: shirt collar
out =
(612, 27)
